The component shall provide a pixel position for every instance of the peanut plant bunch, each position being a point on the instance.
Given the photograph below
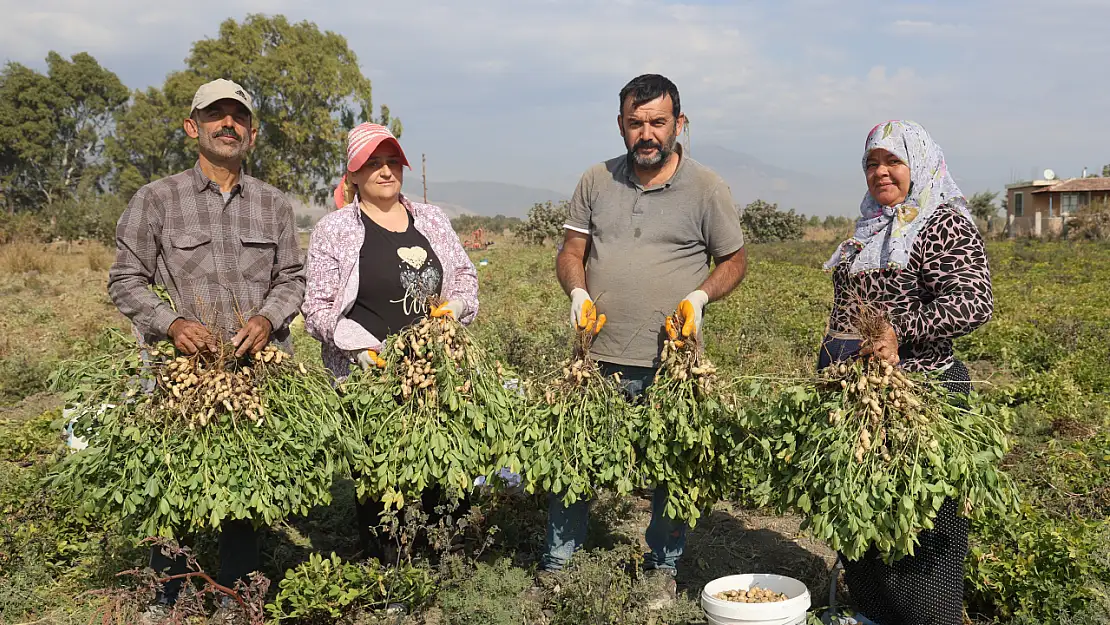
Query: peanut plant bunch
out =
(161, 460)
(689, 433)
(436, 413)
(868, 453)
(581, 431)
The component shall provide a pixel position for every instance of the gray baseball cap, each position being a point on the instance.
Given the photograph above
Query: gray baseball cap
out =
(221, 89)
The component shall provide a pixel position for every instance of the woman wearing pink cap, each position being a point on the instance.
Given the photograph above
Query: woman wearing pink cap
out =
(374, 263)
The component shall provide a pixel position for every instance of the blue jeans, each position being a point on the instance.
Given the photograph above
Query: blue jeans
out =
(566, 525)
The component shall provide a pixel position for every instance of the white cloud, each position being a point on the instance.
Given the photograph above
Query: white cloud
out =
(925, 28)
(798, 82)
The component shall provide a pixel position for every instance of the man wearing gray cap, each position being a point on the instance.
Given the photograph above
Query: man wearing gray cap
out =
(224, 246)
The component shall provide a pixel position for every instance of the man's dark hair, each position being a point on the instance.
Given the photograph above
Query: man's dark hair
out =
(647, 87)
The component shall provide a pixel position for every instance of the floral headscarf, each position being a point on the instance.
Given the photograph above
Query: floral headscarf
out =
(885, 235)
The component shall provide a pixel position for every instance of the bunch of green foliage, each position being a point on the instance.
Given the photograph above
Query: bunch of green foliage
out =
(765, 223)
(436, 412)
(1027, 565)
(545, 222)
(329, 590)
(869, 454)
(156, 466)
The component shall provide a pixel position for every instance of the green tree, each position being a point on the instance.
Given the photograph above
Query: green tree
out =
(308, 91)
(837, 222)
(149, 142)
(466, 224)
(982, 206)
(1106, 171)
(545, 221)
(305, 221)
(765, 223)
(53, 127)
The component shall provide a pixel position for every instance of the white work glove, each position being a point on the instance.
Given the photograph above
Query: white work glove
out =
(453, 307)
(368, 357)
(691, 308)
(582, 310)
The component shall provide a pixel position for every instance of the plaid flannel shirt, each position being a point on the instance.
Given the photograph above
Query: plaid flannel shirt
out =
(221, 262)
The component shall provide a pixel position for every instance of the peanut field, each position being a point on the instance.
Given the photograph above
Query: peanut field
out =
(1045, 356)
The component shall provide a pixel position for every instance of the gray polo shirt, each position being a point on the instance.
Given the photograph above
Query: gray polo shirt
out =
(649, 248)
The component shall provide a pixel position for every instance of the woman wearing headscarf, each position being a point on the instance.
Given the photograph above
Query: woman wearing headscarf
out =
(373, 265)
(917, 257)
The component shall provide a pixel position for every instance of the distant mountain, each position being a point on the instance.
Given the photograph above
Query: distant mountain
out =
(452, 210)
(490, 198)
(750, 179)
(747, 176)
(316, 211)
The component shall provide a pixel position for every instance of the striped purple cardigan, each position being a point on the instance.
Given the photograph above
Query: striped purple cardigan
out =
(332, 278)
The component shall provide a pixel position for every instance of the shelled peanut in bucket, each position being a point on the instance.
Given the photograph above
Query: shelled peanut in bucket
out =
(751, 595)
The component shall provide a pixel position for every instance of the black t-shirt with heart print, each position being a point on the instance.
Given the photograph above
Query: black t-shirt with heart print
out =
(397, 272)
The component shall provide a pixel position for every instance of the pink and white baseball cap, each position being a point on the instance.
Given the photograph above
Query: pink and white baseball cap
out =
(362, 141)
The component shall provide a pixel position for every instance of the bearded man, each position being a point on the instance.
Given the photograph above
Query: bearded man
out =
(642, 232)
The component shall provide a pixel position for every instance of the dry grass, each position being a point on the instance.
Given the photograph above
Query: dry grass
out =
(100, 259)
(51, 298)
(826, 235)
(20, 258)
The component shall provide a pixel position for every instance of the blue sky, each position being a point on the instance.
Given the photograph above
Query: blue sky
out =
(525, 91)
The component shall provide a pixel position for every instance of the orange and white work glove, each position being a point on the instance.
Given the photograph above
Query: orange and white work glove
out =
(691, 308)
(368, 358)
(453, 307)
(583, 313)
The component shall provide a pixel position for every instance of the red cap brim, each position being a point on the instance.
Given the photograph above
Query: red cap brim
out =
(368, 150)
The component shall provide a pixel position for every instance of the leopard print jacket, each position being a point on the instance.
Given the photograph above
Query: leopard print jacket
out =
(943, 293)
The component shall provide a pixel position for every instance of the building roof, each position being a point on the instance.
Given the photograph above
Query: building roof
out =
(1032, 183)
(1075, 185)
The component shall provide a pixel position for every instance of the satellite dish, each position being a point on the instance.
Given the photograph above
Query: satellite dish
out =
(1049, 174)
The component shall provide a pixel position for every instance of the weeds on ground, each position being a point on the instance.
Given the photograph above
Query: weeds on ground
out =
(329, 590)
(1032, 568)
(608, 587)
(485, 594)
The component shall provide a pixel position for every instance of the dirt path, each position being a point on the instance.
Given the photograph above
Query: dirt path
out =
(730, 541)
(31, 407)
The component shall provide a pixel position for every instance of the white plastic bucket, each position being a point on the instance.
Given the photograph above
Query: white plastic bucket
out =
(789, 612)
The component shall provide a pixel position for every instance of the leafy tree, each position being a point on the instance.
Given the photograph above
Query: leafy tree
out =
(1106, 171)
(765, 223)
(52, 129)
(837, 222)
(545, 221)
(305, 221)
(308, 91)
(27, 124)
(982, 205)
(149, 142)
(465, 224)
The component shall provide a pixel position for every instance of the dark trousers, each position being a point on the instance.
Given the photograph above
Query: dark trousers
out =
(926, 588)
(369, 515)
(239, 556)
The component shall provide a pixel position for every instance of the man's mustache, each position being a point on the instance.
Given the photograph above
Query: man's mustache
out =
(647, 144)
(227, 132)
